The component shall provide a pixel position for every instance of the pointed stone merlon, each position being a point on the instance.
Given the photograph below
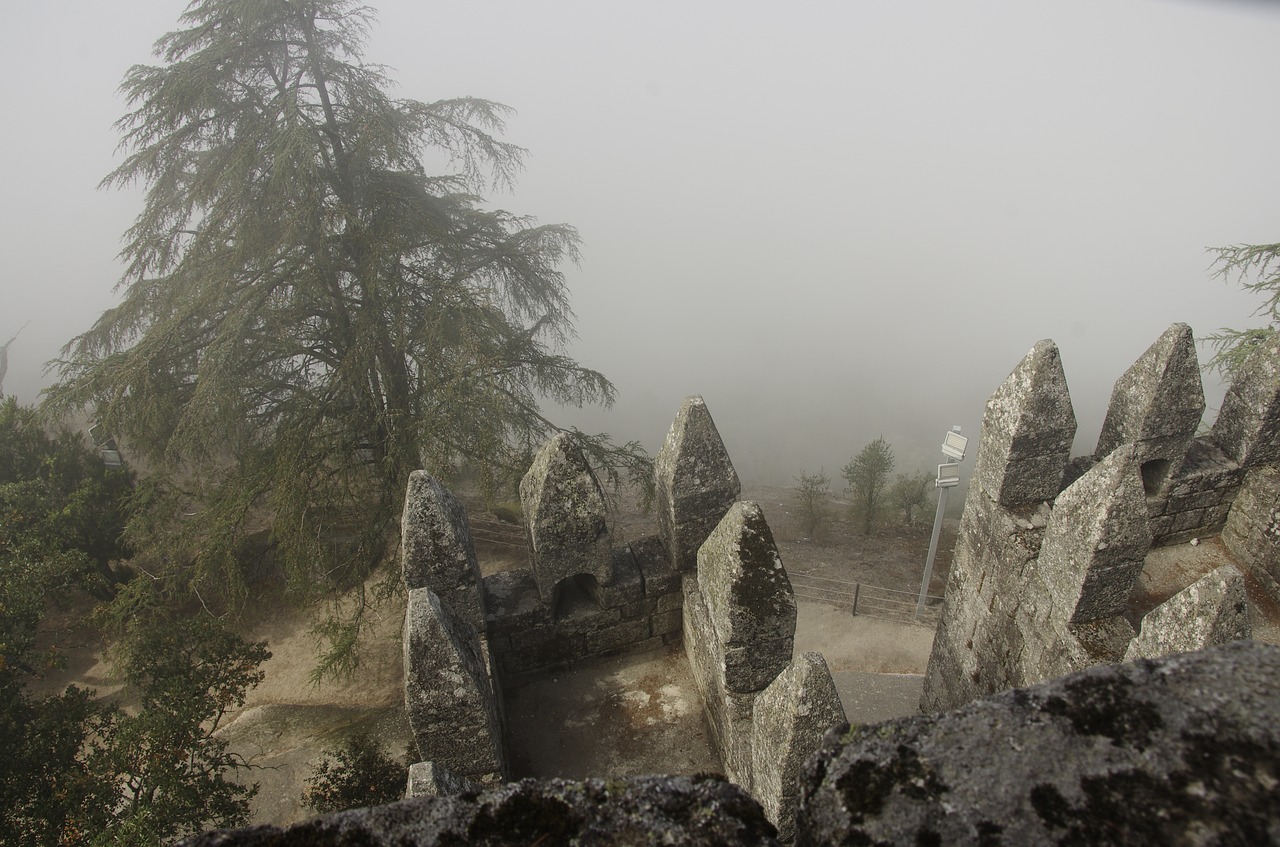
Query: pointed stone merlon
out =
(749, 598)
(1156, 405)
(450, 702)
(565, 517)
(436, 548)
(1027, 430)
(791, 717)
(695, 483)
(1093, 553)
(1248, 424)
(1252, 533)
(1213, 610)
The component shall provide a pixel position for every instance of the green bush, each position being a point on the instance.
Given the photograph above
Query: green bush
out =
(360, 773)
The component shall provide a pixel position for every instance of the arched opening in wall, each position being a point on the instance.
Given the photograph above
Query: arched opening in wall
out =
(573, 594)
(1154, 474)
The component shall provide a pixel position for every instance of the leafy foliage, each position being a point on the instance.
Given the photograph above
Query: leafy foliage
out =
(50, 788)
(360, 773)
(308, 313)
(82, 771)
(814, 491)
(1257, 268)
(866, 475)
(77, 770)
(168, 762)
(62, 516)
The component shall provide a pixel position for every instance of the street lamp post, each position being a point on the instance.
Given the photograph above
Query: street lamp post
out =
(953, 447)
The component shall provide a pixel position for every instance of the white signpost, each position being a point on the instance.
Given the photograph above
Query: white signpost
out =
(953, 447)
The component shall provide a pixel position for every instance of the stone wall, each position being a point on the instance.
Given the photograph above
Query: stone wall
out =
(767, 708)
(1252, 533)
(1181, 750)
(582, 598)
(526, 637)
(1050, 549)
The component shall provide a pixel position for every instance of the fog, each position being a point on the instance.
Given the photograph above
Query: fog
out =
(833, 221)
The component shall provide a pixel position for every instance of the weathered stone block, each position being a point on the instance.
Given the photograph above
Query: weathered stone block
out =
(451, 706)
(428, 779)
(627, 810)
(1252, 531)
(1097, 539)
(728, 713)
(436, 549)
(1103, 639)
(512, 602)
(1248, 424)
(664, 623)
(748, 598)
(585, 621)
(639, 609)
(1156, 405)
(670, 602)
(695, 483)
(564, 517)
(661, 578)
(1184, 521)
(627, 585)
(789, 721)
(617, 636)
(1185, 749)
(1213, 610)
(1027, 430)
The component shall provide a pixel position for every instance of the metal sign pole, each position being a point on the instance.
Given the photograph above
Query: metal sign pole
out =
(953, 447)
(933, 549)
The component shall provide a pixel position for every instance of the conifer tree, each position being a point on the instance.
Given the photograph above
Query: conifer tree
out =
(308, 313)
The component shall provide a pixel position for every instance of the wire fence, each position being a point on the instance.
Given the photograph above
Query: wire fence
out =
(497, 532)
(860, 598)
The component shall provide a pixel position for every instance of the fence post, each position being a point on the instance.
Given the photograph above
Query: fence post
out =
(857, 586)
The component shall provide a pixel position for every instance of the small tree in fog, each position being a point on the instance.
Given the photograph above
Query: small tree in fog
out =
(909, 493)
(867, 475)
(814, 491)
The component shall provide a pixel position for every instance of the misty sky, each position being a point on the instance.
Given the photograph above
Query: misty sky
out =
(833, 220)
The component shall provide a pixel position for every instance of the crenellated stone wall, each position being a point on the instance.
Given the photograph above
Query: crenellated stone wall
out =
(584, 598)
(1051, 549)
(767, 708)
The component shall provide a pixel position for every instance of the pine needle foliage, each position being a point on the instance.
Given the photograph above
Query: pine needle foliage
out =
(1256, 267)
(307, 314)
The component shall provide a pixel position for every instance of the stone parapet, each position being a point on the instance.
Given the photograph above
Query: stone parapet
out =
(1248, 424)
(1197, 500)
(789, 720)
(1027, 429)
(451, 704)
(436, 548)
(564, 513)
(695, 483)
(1212, 610)
(1182, 750)
(1252, 532)
(527, 637)
(1156, 406)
